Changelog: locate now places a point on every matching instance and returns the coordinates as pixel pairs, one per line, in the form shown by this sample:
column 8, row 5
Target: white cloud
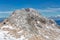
column 49, row 10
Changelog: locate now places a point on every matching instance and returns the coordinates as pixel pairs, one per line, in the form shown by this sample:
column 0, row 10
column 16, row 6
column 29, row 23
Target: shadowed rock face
column 27, row 9
column 28, row 24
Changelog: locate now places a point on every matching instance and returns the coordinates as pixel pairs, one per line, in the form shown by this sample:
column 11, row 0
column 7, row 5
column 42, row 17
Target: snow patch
column 7, row 26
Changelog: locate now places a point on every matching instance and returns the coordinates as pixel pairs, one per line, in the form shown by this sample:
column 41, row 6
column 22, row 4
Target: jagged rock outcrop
column 28, row 24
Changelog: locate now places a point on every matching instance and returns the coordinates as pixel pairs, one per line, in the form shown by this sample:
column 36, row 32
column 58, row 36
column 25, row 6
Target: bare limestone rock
column 29, row 24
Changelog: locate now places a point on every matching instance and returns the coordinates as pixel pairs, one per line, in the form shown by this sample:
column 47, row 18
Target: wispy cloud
column 6, row 12
column 49, row 10
column 44, row 12
column 40, row 10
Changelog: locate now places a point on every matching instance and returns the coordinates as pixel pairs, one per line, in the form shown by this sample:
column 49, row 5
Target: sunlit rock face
column 28, row 24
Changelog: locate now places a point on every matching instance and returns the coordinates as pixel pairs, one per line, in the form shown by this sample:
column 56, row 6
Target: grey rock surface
column 29, row 24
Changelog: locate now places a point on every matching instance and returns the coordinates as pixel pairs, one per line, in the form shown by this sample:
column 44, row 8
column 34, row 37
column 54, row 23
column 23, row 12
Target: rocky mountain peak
column 29, row 24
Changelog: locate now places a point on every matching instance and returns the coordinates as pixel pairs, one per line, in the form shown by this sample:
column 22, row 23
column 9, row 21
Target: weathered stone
column 28, row 24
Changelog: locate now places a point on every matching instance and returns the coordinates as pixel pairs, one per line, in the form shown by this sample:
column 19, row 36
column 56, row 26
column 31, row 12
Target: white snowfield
column 28, row 24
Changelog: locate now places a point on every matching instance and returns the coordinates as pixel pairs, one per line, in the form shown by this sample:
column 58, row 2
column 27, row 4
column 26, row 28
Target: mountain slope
column 28, row 24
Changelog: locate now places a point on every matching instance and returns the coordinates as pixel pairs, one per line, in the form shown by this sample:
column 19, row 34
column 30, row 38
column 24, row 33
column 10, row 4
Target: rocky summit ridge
column 28, row 24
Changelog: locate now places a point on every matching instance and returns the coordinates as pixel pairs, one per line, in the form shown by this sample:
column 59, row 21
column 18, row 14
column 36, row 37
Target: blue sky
column 45, row 7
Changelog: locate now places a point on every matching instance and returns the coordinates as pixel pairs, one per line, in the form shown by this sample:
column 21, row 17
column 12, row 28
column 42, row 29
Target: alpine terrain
column 28, row 24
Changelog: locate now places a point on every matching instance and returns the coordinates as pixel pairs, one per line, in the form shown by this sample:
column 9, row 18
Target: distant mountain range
column 56, row 18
